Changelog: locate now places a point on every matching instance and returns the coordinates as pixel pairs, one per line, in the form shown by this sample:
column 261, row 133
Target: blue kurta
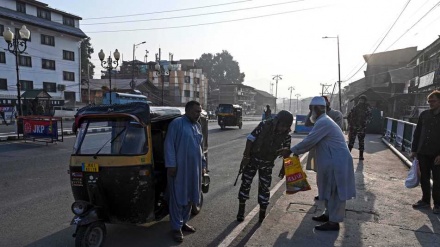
column 333, row 159
column 183, row 150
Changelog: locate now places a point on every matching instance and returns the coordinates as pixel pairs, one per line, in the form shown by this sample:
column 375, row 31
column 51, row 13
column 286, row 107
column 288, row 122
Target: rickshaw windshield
column 120, row 137
column 225, row 109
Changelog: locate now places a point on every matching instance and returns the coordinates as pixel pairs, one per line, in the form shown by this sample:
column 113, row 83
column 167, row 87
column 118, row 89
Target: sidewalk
column 381, row 214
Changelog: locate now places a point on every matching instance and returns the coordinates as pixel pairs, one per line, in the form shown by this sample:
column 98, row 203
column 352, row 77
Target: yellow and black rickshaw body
column 118, row 174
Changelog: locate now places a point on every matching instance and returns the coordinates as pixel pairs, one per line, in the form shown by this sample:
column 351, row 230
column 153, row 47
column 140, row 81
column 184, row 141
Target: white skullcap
column 318, row 100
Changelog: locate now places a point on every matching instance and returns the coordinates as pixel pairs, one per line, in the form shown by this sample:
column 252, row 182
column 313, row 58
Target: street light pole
column 276, row 78
column 290, row 103
column 339, row 70
column 109, row 67
column 297, row 95
column 17, row 46
column 132, row 62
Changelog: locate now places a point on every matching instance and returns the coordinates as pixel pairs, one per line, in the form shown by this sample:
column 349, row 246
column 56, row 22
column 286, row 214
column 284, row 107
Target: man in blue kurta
column 185, row 163
column 335, row 177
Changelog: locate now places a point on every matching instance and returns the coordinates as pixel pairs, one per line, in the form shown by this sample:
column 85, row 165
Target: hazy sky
column 266, row 37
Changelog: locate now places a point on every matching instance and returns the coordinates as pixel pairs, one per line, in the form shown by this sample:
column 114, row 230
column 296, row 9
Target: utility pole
column 290, row 103
column 297, row 95
column 324, row 89
column 146, row 56
column 271, row 87
column 88, row 81
column 276, row 78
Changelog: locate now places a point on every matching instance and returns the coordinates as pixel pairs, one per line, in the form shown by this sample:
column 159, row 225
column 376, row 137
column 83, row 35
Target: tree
column 220, row 68
column 86, row 54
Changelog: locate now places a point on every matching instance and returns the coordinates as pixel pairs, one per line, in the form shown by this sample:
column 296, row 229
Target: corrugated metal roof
column 36, row 21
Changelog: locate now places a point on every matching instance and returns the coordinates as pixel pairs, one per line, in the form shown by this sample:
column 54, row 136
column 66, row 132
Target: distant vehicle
column 211, row 115
column 229, row 115
column 124, row 98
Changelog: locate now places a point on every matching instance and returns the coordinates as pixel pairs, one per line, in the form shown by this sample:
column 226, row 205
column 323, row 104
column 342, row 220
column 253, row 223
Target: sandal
column 188, row 228
column 178, row 236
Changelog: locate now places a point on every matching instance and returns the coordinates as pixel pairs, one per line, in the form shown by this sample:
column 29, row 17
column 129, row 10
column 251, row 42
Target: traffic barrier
column 41, row 128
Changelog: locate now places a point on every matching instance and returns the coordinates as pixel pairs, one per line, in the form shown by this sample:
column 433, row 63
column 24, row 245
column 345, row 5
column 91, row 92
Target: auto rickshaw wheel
column 240, row 125
column 92, row 235
column 197, row 207
column 222, row 126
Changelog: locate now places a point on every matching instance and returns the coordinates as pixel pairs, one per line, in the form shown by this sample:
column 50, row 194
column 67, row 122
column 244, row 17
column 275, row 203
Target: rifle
column 243, row 164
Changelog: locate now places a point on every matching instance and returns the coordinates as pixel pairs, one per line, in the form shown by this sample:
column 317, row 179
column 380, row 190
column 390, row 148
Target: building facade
column 52, row 57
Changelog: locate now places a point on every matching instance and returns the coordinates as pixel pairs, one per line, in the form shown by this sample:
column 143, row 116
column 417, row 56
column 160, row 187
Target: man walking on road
column 185, row 163
column 358, row 118
column 335, row 165
column 426, row 147
column 259, row 155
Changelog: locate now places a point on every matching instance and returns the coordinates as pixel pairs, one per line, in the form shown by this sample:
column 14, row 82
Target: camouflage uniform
column 358, row 118
column 263, row 155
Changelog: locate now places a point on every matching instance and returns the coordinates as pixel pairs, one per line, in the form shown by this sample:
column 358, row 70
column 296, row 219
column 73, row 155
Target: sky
column 266, row 38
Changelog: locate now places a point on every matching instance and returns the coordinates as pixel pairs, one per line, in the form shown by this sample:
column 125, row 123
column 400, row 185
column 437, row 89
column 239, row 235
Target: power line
column 429, row 11
column 167, row 11
column 205, row 24
column 194, row 15
column 386, row 34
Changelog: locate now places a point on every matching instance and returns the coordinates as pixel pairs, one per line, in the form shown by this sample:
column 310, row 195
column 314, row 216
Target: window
column 68, row 76
column 26, row 85
column 21, row 7
column 42, row 13
column 197, row 80
column 48, row 64
column 166, row 78
column 2, row 57
column 17, row 34
column 25, row 61
column 186, row 93
column 68, row 21
column 3, row 84
column 2, row 29
column 187, row 79
column 50, row 87
column 197, row 94
column 68, row 55
column 47, row 40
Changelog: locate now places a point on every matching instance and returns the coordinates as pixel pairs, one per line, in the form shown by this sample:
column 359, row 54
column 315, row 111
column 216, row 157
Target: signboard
column 7, row 113
column 40, row 128
column 426, row 80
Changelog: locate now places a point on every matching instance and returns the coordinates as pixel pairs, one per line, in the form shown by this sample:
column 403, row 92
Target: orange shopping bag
column 296, row 179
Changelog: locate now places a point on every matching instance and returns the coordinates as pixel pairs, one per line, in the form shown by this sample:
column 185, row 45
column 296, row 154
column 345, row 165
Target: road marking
column 239, row 228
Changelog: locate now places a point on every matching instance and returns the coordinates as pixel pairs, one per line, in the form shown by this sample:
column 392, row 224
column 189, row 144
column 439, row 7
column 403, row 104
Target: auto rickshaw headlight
column 79, row 208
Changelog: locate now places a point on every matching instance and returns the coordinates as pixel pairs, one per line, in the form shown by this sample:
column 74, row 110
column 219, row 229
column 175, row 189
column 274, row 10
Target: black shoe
column 421, row 204
column 241, row 208
column 178, row 236
column 327, row 226
column 262, row 215
column 361, row 155
column 321, row 218
column 188, row 228
column 316, row 198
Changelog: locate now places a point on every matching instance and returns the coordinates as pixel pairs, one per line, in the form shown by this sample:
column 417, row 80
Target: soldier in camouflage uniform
column 358, row 118
column 259, row 155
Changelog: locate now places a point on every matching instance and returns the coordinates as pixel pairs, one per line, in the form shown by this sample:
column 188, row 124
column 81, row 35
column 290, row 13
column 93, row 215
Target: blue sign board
column 300, row 125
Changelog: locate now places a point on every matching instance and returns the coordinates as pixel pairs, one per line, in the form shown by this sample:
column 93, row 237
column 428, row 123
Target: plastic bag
column 296, row 179
column 413, row 178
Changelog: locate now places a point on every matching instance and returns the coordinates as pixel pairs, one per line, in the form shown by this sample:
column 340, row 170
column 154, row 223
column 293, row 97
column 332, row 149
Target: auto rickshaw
column 119, row 176
column 229, row 115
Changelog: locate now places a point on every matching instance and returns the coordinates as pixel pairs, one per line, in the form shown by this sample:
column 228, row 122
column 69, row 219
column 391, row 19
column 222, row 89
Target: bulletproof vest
column 267, row 142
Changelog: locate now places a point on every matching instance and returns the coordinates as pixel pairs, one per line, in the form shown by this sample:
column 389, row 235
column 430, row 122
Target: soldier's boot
column 262, row 214
column 350, row 148
column 241, row 208
column 361, row 155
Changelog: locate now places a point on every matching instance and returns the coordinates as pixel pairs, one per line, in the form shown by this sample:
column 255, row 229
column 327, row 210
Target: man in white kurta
column 335, row 166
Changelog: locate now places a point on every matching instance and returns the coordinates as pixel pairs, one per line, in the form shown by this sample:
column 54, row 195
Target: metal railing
column 399, row 133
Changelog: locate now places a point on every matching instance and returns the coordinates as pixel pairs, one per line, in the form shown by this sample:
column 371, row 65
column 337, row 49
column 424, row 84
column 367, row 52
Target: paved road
column 36, row 196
